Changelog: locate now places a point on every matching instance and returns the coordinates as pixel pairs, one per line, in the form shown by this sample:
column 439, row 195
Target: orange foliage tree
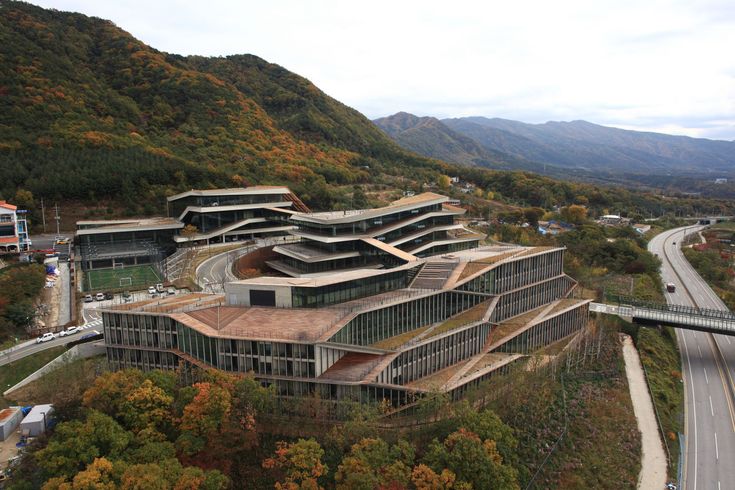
column 300, row 464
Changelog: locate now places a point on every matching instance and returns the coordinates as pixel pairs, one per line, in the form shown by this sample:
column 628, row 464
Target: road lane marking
column 725, row 383
column 699, row 349
column 685, row 465
column 694, row 409
column 706, row 378
column 711, row 408
column 717, row 449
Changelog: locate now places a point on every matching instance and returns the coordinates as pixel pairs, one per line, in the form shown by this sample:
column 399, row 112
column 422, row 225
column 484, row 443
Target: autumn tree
column 424, row 478
column 189, row 231
column 203, row 417
column 533, row 215
column 372, row 463
column 575, row 214
column 24, row 199
column 111, row 390
column 300, row 463
column 97, row 476
column 147, row 407
column 472, row 460
column 488, row 426
column 76, row 444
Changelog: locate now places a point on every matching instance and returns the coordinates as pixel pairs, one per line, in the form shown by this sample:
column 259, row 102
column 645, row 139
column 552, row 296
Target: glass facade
column 529, row 270
column 179, row 205
column 314, row 297
column 387, row 321
column 430, row 357
column 546, row 332
column 522, row 300
column 158, row 341
column 361, row 227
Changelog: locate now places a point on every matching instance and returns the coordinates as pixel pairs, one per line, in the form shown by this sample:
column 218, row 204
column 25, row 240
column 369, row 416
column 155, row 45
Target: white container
column 37, row 420
column 9, row 420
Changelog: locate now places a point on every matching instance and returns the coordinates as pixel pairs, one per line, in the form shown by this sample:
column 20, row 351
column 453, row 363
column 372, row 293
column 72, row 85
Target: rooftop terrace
column 98, row 226
column 261, row 323
column 329, row 217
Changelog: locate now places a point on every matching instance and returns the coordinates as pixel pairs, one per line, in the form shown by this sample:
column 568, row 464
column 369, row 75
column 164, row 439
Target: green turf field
column 140, row 276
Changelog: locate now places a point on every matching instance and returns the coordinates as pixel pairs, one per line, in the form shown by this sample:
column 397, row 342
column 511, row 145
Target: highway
column 708, row 367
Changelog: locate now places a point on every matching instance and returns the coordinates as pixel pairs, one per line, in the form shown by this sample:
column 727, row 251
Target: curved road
column 213, row 273
column 709, row 413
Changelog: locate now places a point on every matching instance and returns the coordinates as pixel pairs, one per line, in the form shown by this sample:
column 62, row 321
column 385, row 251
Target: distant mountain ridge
column 575, row 145
column 429, row 136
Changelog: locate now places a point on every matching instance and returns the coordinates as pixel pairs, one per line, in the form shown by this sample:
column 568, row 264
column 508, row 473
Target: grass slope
column 12, row 373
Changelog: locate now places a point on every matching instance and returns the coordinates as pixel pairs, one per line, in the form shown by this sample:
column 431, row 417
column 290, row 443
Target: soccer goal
column 126, row 281
column 118, row 265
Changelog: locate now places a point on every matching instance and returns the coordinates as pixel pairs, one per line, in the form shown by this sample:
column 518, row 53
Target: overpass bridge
column 686, row 317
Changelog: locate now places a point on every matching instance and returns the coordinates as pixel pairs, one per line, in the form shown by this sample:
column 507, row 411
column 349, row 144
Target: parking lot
column 90, row 309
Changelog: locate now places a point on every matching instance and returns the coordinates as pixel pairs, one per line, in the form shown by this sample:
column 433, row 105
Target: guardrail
column 649, row 305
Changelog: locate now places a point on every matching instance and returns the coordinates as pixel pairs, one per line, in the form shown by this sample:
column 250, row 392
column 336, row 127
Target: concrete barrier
column 17, row 346
column 80, row 351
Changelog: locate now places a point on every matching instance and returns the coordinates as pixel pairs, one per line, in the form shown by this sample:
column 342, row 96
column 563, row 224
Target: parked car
column 152, row 290
column 160, row 288
column 127, row 295
column 171, row 291
column 88, row 298
column 45, row 338
column 100, row 297
column 70, row 331
column 109, row 296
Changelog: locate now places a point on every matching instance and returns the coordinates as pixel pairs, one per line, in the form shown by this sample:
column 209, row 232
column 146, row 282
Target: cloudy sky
column 653, row 65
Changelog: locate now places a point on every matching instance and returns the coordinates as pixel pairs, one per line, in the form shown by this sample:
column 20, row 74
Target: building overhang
column 237, row 191
column 129, row 227
column 338, row 217
column 231, row 207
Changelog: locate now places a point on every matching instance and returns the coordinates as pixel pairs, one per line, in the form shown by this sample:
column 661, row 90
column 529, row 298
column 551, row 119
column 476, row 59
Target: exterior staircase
column 433, row 275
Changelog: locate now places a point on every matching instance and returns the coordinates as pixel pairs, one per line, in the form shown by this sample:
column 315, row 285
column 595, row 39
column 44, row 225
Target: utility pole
column 58, row 219
column 43, row 216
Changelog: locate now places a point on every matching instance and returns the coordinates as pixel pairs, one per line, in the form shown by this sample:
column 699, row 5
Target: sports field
column 128, row 277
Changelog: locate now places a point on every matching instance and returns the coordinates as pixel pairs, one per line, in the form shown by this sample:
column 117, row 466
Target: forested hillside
column 88, row 114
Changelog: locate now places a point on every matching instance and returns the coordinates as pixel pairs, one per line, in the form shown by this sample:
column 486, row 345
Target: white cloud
column 619, row 63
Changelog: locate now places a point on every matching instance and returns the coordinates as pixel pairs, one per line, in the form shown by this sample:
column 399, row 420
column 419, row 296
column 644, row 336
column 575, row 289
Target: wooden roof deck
column 353, row 366
column 259, row 322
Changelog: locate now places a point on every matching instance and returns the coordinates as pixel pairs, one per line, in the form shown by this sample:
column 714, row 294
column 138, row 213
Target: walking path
column 653, row 460
column 65, row 300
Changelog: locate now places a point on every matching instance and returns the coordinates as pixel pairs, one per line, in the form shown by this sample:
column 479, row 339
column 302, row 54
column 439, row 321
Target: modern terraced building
column 437, row 323
column 243, row 212
column 406, row 230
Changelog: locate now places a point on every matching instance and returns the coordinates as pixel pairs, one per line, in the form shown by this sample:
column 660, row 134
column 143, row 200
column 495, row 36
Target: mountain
column 87, row 111
column 591, row 147
column 91, row 116
column 430, row 137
